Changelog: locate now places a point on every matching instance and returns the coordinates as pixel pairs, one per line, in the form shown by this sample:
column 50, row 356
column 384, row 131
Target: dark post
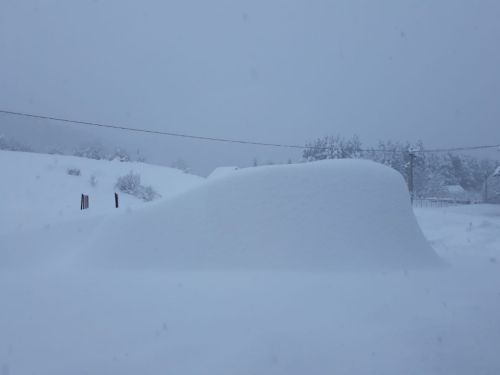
column 486, row 188
column 116, row 200
column 410, row 177
column 84, row 203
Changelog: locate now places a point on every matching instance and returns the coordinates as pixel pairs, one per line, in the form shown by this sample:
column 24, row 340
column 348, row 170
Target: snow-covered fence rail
column 427, row 203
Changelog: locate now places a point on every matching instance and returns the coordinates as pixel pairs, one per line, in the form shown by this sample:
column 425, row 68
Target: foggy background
column 277, row 72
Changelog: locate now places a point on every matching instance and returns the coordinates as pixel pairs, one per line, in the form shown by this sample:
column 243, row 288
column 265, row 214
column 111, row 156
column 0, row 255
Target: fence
column 429, row 203
column 84, row 201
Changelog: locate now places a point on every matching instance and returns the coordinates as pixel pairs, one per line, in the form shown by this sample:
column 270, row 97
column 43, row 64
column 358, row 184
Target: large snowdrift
column 329, row 215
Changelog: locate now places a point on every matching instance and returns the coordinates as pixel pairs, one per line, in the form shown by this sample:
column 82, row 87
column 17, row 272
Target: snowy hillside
column 146, row 290
column 36, row 189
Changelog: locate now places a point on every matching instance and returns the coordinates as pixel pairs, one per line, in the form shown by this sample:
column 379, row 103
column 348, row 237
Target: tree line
column 433, row 172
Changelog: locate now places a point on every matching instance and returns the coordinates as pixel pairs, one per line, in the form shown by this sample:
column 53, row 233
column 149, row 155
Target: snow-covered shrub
column 119, row 154
column 73, row 171
column 129, row 184
column 147, row 193
column 93, row 180
column 91, row 150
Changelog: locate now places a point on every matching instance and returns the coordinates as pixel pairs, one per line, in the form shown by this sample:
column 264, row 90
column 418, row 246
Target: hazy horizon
column 280, row 72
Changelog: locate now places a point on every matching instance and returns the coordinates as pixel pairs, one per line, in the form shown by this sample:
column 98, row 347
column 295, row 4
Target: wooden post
column 116, row 200
column 84, row 203
column 410, row 177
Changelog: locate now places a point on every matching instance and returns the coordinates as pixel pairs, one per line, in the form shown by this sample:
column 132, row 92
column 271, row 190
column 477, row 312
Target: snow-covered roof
column 222, row 172
column 455, row 189
column 497, row 172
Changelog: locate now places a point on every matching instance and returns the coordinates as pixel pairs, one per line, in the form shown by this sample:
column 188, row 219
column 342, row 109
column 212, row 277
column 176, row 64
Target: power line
column 152, row 131
column 165, row 133
column 226, row 140
column 461, row 148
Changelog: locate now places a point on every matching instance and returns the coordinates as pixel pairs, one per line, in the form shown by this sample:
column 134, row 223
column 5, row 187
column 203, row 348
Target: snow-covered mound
column 222, row 172
column 37, row 191
column 328, row 215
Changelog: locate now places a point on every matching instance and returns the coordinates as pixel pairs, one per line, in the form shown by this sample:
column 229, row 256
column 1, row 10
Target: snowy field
column 65, row 308
column 37, row 190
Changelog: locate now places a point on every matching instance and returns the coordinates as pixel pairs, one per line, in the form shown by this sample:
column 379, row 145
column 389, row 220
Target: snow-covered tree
column 91, row 150
column 11, row 145
column 393, row 154
column 332, row 147
column 491, row 190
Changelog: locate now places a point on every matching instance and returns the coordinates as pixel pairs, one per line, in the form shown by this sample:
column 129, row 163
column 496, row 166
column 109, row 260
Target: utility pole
column 410, row 177
column 486, row 188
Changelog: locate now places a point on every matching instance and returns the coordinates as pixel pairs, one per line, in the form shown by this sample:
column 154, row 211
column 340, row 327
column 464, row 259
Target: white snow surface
column 497, row 172
column 303, row 217
column 455, row 189
column 67, row 308
column 222, row 172
column 37, row 191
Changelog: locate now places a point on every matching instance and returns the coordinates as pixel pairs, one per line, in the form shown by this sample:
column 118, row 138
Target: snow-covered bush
column 91, row 150
column 73, row 171
column 93, row 181
column 131, row 184
column 119, row 154
column 147, row 193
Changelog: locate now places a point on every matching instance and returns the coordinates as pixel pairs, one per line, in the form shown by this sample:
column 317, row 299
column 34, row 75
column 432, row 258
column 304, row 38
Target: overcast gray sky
column 280, row 71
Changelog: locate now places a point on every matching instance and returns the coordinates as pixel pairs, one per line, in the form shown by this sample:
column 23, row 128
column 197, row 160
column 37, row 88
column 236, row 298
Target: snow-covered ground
column 37, row 191
column 63, row 318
